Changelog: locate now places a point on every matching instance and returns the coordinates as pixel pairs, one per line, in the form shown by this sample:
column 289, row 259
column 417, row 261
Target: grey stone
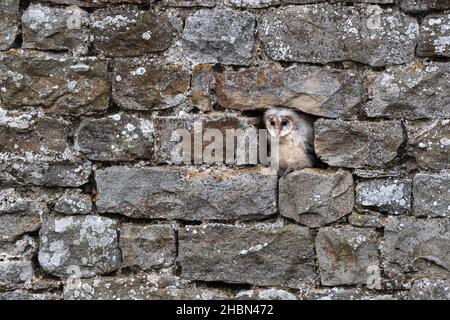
column 15, row 274
column 434, row 40
column 118, row 137
column 265, row 294
column 424, row 5
column 74, row 202
column 147, row 246
column 24, row 295
column 9, row 23
column 98, row 3
column 251, row 3
column 349, row 294
column 315, row 197
column 60, row 84
column 262, row 255
column 324, row 33
column 79, row 246
column 202, row 83
column 189, row 3
column 431, row 194
column 20, row 172
column 347, row 255
column 430, row 143
column 413, row 91
column 24, row 248
column 169, row 149
column 430, row 289
column 186, row 193
column 49, row 28
column 418, row 247
column 219, row 36
column 128, row 32
column 366, row 220
column 385, row 195
column 147, row 84
column 148, row 286
column 357, row 144
column 323, row 92
column 18, row 214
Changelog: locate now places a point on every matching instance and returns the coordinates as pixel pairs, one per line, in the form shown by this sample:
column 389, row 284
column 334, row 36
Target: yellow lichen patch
column 418, row 64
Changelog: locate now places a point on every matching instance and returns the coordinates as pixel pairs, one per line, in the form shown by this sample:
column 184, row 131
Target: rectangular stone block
column 9, row 23
column 186, row 193
column 431, row 194
column 357, row 144
column 262, row 254
column 59, row 84
column 424, row 5
column 323, row 92
column 434, row 40
column 324, row 33
column 147, row 246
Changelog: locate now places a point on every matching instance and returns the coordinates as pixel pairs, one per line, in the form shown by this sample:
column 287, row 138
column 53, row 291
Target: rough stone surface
column 97, row 3
column 430, row 143
column 430, row 289
column 58, row 84
column 418, row 247
column 346, row 255
column 366, row 220
column 9, row 23
column 323, row 33
column 385, row 195
column 219, row 36
column 24, row 248
column 187, row 194
column 24, row 295
column 146, row 84
column 48, row 28
column 265, row 294
column 118, row 137
column 20, row 172
column 434, row 37
column 203, row 80
column 79, row 246
column 431, row 194
column 189, row 3
column 414, row 91
column 262, row 254
column 15, row 274
column 424, row 5
column 147, row 246
column 315, row 197
column 74, row 202
column 349, row 294
column 138, row 287
column 125, row 32
column 357, row 144
column 324, row 92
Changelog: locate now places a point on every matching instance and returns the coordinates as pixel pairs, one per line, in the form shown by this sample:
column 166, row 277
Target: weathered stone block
column 366, row 220
column 251, row 3
column 187, row 194
column 24, row 295
column 320, row 91
column 219, row 36
column 418, row 247
column 262, row 255
column 202, row 83
column 357, row 144
column 316, row 197
column 24, row 248
column 385, row 195
column 18, row 214
column 169, row 146
column 189, row 3
column 125, row 32
column 15, row 274
column 431, row 194
column 20, row 172
column 265, row 294
column 58, row 84
column 424, row 5
column 118, row 137
column 430, row 289
column 147, row 246
column 347, row 255
column 430, row 143
column 146, row 84
column 98, row 3
column 81, row 246
column 74, row 202
column 138, row 287
column 324, row 33
column 434, row 40
column 350, row 294
column 49, row 28
column 9, row 23
column 414, row 91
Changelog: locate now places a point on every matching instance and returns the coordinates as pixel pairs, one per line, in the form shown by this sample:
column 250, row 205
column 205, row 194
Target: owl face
column 279, row 125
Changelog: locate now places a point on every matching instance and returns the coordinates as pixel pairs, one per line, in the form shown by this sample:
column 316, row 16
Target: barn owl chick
column 295, row 136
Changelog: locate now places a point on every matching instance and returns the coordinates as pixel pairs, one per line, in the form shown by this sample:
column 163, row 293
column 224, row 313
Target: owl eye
column 272, row 122
column 284, row 123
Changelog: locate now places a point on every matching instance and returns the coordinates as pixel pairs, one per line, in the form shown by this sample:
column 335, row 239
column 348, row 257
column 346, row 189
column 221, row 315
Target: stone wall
column 91, row 206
